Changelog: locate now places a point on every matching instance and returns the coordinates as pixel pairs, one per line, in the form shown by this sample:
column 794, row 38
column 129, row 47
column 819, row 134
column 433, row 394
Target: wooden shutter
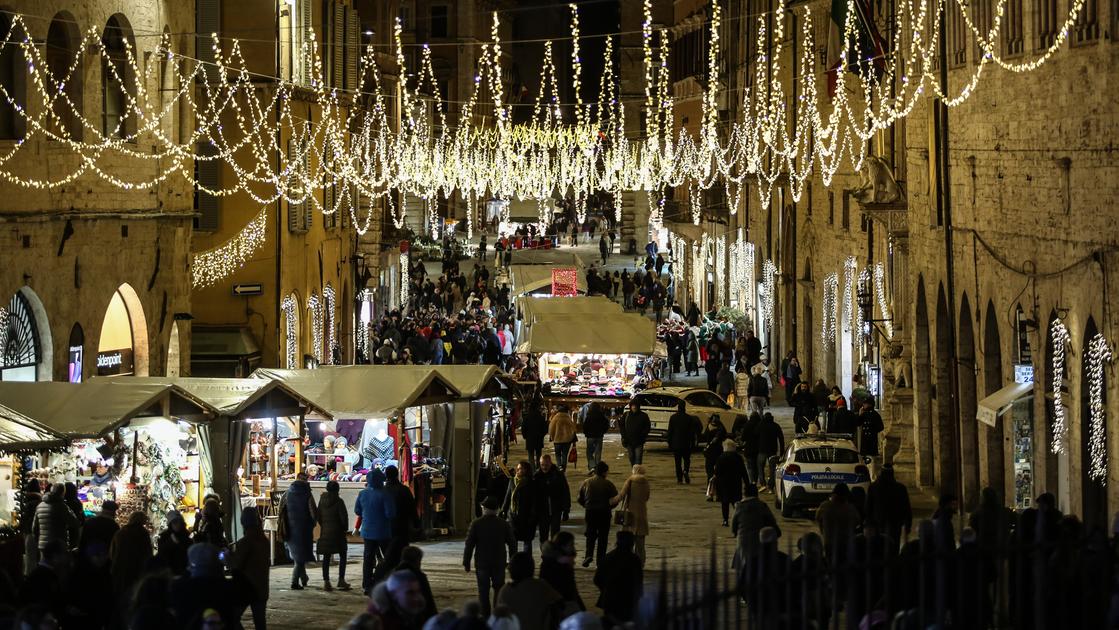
column 306, row 28
column 295, row 210
column 339, row 48
column 308, row 205
column 348, row 206
column 207, row 173
column 353, row 49
column 329, row 219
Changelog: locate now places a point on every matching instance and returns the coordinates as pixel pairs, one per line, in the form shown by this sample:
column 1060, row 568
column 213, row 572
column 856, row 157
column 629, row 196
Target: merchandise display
column 589, row 374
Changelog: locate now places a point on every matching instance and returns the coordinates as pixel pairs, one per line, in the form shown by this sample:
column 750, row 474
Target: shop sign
column 1023, row 373
column 113, row 362
column 254, row 288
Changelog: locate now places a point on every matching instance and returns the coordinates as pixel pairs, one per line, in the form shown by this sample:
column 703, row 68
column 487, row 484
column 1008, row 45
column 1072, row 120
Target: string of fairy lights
column 1059, row 336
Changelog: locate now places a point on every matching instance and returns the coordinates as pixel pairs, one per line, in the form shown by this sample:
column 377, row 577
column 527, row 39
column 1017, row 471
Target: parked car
column 811, row 466
column 661, row 402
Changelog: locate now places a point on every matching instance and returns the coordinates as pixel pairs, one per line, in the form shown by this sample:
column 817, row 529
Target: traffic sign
column 248, row 289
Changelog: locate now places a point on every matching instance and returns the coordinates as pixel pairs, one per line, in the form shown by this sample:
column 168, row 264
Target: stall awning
column 998, row 403
column 364, row 391
column 535, row 308
column 471, row 381
column 236, row 397
column 529, row 278
column 18, row 432
column 546, row 258
column 99, row 406
column 618, row 333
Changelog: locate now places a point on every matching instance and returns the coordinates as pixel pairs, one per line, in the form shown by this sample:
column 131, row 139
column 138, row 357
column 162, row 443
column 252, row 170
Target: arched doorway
column 25, row 339
column 1093, row 462
column 992, row 437
column 122, row 347
column 969, row 429
column 922, row 394
column 944, row 438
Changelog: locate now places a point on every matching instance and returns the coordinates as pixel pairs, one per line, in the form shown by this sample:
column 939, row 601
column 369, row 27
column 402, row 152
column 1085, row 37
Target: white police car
column 811, row 467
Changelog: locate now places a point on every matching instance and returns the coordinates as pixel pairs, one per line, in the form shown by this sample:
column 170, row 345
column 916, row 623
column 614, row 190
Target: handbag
column 573, row 454
column 711, row 488
column 622, row 516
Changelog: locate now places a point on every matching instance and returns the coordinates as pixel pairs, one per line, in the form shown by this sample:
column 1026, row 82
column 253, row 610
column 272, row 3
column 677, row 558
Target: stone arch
column 118, row 80
column 991, row 438
column 64, row 40
column 1094, row 506
column 137, row 328
column 922, row 394
column 944, row 442
column 28, row 332
column 969, row 431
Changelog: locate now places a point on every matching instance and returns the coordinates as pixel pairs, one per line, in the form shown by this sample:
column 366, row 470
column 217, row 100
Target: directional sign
column 248, row 289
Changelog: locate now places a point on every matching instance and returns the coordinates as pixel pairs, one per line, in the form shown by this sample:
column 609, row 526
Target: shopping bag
column 573, row 455
column 711, row 488
column 623, row 518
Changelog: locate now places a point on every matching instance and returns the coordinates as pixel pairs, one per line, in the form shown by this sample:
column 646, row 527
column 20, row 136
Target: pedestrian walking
column 595, row 496
column 753, row 349
column 404, row 507
column 210, row 528
column 730, row 478
column 520, row 505
column 534, row 603
column 870, row 426
column 635, row 427
column 741, row 386
column 411, row 559
column 54, row 521
column 633, row 500
column 888, row 507
column 725, row 379
column 172, row 545
column 489, row 545
column 751, row 515
column 376, row 511
column 791, row 373
column 747, row 437
column 620, row 580
column 553, row 498
column 837, row 413
column 758, row 390
column 603, row 248
column 595, row 425
column 299, row 514
column 557, row 569
column 804, row 408
column 691, row 350
column 398, row 603
column 838, row 519
column 771, row 441
column 561, row 430
column 250, row 563
column 683, row 434
column 714, row 434
column 334, row 524
column 101, row 528
column 32, row 497
column 534, row 428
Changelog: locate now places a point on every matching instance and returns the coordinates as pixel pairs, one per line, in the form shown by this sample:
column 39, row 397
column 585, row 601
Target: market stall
column 373, row 417
column 144, row 445
column 580, row 357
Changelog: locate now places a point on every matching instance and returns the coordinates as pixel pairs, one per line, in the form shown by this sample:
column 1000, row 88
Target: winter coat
column 887, row 504
column 620, row 579
column 405, row 510
column 560, row 576
column 726, row 382
column 634, row 497
column 871, row 424
column 55, row 521
column 520, row 508
column 99, row 529
column 375, row 507
column 561, row 428
column 334, row 523
column 741, row 385
column 192, row 596
column 30, row 503
column 211, row 530
column 489, row 543
column 171, row 551
column 771, row 439
column 750, row 516
column 683, row 431
column 730, row 477
column 129, row 553
column 553, row 496
column 758, row 386
column 534, row 427
column 250, row 561
column 635, row 428
column 298, row 508
column 837, row 520
column 714, row 437
column 595, row 424
column 596, row 493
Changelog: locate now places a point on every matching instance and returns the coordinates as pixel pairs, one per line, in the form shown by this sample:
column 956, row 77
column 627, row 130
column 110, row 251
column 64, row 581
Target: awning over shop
column 236, row 397
column 546, row 258
column 528, row 278
column 18, row 432
column 535, row 308
column 364, row 391
column 618, row 333
column 998, row 403
column 99, row 406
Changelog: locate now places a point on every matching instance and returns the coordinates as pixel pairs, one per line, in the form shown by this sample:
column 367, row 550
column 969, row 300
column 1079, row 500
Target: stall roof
column 546, row 258
column 363, row 391
column 100, row 406
column 534, row 309
column 998, row 403
column 18, row 432
column 616, row 333
column 528, row 278
column 238, row 396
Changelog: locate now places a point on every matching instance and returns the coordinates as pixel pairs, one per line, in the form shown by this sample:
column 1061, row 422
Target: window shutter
column 347, row 206
column 353, row 49
column 207, row 174
column 295, row 210
column 339, row 50
column 329, row 219
column 308, row 205
column 307, row 30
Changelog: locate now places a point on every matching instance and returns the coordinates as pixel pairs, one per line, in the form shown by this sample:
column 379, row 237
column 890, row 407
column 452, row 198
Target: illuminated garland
column 721, row 270
column 290, row 307
column 769, row 278
column 3, row 336
column 850, row 266
column 330, row 304
column 861, row 326
column 213, row 265
column 1099, row 353
column 314, row 304
column 1061, row 340
column 830, row 305
column 405, row 283
column 880, row 293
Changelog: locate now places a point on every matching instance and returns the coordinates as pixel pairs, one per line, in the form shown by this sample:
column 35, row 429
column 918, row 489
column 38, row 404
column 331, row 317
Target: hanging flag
column 866, row 49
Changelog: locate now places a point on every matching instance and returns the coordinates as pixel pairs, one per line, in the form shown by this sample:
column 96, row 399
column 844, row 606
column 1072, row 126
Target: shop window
column 20, row 341
column 115, row 346
column 118, row 84
column 66, row 69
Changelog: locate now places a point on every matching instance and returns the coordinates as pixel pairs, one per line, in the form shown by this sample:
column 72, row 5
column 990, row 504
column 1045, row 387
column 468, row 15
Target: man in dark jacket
column 402, row 522
column 377, row 510
column 620, row 578
column 753, row 349
column 771, row 441
column 746, row 435
column 635, row 429
column 54, row 521
column 595, row 425
column 870, row 425
column 204, row 588
column 553, row 498
column 489, row 544
column 683, row 432
column 887, row 507
column 100, row 528
column 750, row 516
column 595, row 496
column 534, row 428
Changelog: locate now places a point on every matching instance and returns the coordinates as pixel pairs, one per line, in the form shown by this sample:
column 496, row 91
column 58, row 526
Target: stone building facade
column 95, row 277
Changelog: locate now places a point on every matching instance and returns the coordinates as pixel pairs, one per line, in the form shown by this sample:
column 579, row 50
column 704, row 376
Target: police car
column 811, row 467
column 661, row 402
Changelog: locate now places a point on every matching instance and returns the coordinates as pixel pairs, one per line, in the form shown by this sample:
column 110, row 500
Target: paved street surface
column 683, row 525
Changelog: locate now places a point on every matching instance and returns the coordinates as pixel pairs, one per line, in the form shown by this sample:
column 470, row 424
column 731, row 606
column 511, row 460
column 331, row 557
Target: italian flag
column 865, row 49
